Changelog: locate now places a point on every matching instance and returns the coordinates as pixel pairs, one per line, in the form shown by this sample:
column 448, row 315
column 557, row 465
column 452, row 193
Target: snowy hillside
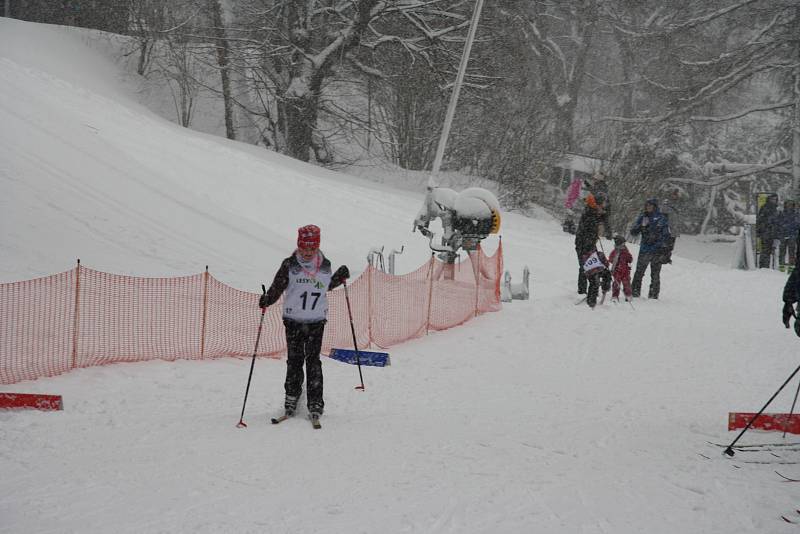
column 543, row 417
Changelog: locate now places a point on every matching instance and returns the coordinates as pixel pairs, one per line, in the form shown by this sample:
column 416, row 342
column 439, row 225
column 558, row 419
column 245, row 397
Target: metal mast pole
column 462, row 68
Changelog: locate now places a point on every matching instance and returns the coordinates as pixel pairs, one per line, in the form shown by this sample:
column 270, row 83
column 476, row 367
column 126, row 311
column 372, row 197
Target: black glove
column 342, row 272
column 262, row 301
column 788, row 312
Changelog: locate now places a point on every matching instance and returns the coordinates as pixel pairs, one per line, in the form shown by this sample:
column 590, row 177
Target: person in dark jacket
column 791, row 295
column 653, row 248
column 766, row 230
column 303, row 279
column 787, row 225
column 590, row 227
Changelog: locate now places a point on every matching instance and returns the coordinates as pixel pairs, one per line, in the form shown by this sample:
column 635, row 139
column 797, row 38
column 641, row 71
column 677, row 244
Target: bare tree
column 292, row 50
column 691, row 67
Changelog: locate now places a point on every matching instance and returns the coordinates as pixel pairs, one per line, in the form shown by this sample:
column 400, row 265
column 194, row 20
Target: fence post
column 498, row 269
column 430, row 293
column 478, row 278
column 76, row 311
column 369, row 306
column 205, row 311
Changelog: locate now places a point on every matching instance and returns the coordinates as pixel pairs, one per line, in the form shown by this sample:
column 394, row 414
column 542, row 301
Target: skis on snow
column 314, row 420
column 785, row 478
column 281, row 419
column 762, row 453
column 793, row 519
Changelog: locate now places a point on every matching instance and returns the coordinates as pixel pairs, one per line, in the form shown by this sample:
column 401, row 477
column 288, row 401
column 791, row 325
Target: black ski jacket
column 587, row 233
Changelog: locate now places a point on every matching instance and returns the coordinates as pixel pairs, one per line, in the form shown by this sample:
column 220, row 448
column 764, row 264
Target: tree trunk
column 144, row 54
column 301, row 117
column 223, row 60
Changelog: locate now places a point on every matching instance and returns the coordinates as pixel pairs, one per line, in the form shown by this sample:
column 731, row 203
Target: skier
column 304, row 277
column 590, row 261
column 669, row 207
column 620, row 259
column 653, row 251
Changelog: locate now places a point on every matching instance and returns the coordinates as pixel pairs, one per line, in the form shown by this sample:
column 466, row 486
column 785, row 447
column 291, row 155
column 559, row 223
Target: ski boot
column 290, row 405
column 314, row 416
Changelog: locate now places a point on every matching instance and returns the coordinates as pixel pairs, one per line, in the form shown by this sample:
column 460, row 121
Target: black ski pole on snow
column 791, row 412
column 355, row 343
column 794, row 402
column 241, row 424
column 729, row 450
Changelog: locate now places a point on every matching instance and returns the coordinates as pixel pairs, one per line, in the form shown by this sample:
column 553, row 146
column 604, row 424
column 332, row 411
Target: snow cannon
column 467, row 218
column 477, row 214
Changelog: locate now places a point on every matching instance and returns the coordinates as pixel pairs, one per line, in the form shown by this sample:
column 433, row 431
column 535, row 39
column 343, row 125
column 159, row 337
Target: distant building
column 570, row 166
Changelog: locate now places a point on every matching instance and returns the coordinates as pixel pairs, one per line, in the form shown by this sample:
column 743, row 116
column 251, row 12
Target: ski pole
column 241, row 423
column 794, row 402
column 355, row 343
column 791, row 411
column 729, row 450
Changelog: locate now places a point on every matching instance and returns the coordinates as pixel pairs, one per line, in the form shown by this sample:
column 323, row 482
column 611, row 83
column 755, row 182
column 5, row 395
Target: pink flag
column 573, row 192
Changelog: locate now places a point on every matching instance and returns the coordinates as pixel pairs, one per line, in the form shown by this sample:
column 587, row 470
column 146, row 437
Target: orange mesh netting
column 83, row 317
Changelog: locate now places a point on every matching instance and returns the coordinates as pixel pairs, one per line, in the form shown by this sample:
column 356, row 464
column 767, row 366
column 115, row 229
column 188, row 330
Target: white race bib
column 305, row 299
column 593, row 263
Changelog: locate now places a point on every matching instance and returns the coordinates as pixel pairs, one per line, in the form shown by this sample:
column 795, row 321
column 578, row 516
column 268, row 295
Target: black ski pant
column 765, row 253
column 303, row 344
column 654, row 260
column 597, row 281
column 787, row 245
column 591, row 284
column 582, row 281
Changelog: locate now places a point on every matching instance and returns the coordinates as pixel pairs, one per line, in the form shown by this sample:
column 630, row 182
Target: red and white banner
column 777, row 422
column 35, row 401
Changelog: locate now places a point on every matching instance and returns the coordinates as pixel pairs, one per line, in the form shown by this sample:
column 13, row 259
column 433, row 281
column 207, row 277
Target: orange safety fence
column 82, row 317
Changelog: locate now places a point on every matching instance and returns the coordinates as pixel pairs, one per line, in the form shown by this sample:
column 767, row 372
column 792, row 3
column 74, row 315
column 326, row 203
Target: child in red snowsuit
column 620, row 259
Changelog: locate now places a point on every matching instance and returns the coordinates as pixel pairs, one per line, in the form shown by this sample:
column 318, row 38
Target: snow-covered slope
column 544, row 417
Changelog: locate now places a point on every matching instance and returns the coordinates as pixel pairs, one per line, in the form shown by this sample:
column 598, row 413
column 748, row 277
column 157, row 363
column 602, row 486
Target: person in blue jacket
column 787, row 223
column 653, row 248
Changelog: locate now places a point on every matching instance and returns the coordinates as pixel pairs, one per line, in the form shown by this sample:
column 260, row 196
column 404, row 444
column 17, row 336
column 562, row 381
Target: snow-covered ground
column 543, row 417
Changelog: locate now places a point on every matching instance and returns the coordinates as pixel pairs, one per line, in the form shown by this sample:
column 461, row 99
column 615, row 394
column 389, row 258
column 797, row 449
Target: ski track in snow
column 544, row 417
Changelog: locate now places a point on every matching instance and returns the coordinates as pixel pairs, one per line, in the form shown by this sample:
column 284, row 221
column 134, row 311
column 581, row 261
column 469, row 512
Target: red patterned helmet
column 308, row 236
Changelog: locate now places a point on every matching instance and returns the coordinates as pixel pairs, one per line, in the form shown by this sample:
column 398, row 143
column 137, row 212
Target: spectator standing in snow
column 653, row 251
column 621, row 260
column 598, row 186
column 787, row 224
column 766, row 230
column 590, row 228
column 304, row 278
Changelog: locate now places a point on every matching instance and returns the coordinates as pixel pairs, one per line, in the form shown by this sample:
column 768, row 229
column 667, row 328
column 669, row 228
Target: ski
column 315, row 422
column 759, row 446
column 787, row 479
column 284, row 417
column 581, row 301
column 794, row 521
column 767, row 462
column 756, row 445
